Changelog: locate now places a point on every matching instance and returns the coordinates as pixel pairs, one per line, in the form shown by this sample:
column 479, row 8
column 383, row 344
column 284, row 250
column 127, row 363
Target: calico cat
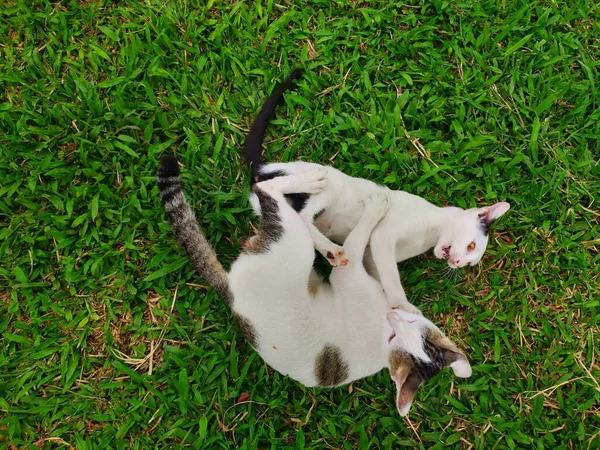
column 411, row 227
column 317, row 333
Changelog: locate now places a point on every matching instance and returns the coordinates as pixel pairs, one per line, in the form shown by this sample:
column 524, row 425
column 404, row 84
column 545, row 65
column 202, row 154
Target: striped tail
column 188, row 234
column 256, row 134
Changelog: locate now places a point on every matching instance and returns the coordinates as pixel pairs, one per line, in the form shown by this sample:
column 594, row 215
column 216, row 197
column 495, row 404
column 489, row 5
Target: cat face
column 417, row 351
column 464, row 238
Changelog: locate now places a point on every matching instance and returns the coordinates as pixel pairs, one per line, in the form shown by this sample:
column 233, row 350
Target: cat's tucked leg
column 376, row 206
column 383, row 251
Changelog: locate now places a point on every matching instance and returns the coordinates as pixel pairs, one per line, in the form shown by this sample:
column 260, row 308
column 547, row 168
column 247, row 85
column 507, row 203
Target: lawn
column 110, row 340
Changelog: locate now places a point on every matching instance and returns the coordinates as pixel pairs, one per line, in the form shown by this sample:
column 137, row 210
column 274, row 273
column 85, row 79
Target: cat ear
column 458, row 362
column 406, row 388
column 491, row 213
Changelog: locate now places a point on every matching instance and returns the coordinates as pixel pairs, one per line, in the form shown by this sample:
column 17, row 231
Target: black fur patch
column 169, row 167
column 426, row 370
column 269, row 176
column 247, row 329
column 271, row 228
column 296, row 200
column 330, row 368
column 270, row 225
column 419, row 370
column 485, row 227
column 318, row 214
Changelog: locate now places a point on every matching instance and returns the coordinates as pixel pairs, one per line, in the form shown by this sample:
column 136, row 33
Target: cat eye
column 471, row 246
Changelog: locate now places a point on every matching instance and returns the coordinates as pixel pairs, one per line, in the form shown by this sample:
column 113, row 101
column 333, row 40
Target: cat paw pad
column 337, row 258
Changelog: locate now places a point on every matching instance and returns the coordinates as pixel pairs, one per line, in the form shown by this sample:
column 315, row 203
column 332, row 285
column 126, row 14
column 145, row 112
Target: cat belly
column 288, row 359
column 339, row 217
column 344, row 205
column 286, row 337
column 337, row 225
column 313, row 342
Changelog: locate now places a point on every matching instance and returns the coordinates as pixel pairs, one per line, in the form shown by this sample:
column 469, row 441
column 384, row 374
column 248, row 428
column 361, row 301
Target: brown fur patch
column 313, row 287
column 440, row 340
column 400, row 361
column 330, row 367
column 253, row 244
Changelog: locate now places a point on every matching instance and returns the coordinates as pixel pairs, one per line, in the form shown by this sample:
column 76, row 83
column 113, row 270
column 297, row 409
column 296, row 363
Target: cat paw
column 337, row 257
column 314, row 182
column 376, row 205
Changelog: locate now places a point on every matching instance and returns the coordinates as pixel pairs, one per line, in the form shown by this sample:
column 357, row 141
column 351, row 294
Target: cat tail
column 255, row 136
column 188, row 234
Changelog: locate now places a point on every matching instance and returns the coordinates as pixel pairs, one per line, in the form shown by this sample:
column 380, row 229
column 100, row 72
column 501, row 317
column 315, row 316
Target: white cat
column 317, row 333
column 411, row 227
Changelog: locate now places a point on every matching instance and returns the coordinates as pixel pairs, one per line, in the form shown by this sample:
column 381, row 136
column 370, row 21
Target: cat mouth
column 446, row 251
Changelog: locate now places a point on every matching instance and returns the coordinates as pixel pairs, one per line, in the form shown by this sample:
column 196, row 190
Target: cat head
column 463, row 238
column 417, row 351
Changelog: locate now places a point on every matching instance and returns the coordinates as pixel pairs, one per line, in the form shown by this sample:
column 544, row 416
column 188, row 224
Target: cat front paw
column 314, row 182
column 337, row 257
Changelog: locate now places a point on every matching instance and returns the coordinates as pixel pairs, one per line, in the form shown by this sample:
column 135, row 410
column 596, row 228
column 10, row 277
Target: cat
column 320, row 334
column 412, row 225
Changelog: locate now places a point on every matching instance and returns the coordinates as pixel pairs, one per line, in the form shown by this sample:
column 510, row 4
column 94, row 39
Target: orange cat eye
column 471, row 246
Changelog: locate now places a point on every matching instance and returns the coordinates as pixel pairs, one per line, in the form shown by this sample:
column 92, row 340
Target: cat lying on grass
column 317, row 333
column 411, row 226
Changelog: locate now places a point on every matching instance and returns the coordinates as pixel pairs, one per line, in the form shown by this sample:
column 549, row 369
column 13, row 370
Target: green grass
column 503, row 96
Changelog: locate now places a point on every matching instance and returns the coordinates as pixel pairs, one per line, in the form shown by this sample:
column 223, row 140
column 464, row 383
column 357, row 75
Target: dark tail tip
column 255, row 136
column 296, row 73
column 288, row 83
column 169, row 167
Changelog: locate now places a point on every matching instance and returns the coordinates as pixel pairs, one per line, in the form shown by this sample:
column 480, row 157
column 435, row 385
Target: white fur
column 270, row 290
column 411, row 226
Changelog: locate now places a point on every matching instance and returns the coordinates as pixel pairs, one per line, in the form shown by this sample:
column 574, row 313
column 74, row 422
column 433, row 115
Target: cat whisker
column 447, row 275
